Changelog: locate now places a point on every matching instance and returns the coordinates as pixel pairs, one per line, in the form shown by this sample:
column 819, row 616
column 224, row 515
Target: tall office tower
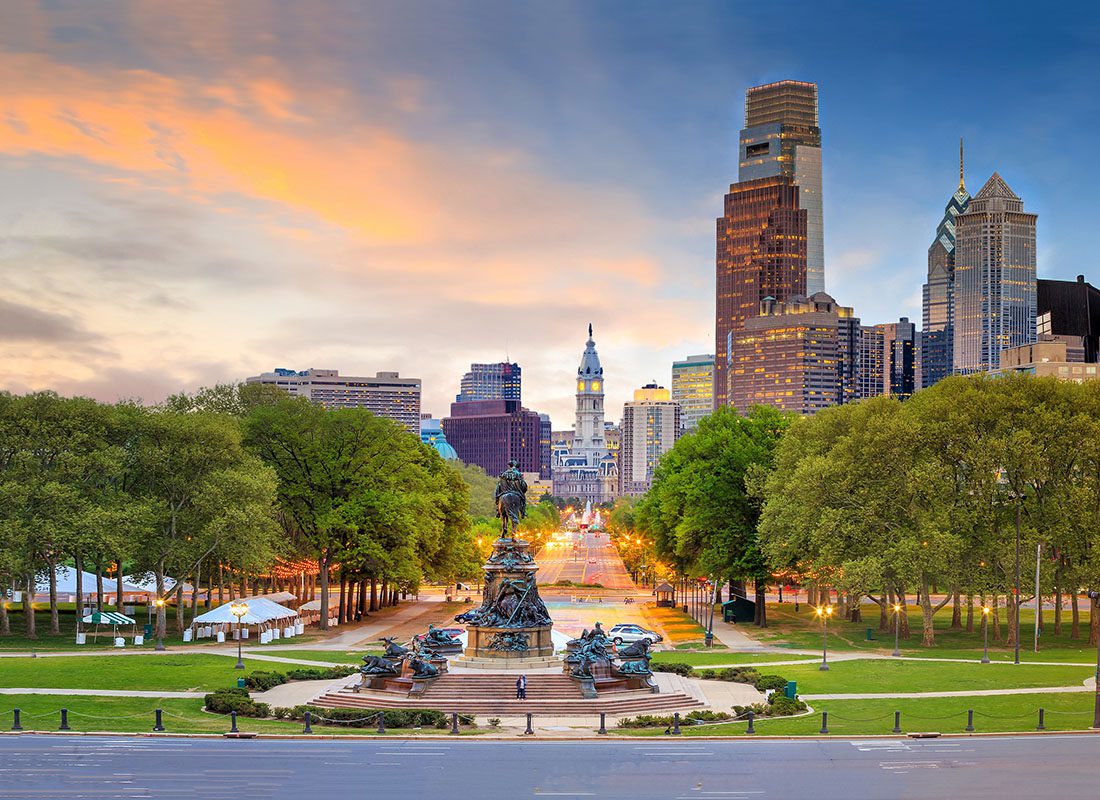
column 387, row 394
column 887, row 360
column 799, row 356
column 1070, row 310
column 651, row 425
column 761, row 253
column 781, row 137
column 994, row 299
column 501, row 381
column 546, row 438
column 490, row 433
column 693, row 388
column 587, row 470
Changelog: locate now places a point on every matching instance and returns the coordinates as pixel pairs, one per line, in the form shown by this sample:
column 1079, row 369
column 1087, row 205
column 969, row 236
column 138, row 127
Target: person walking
column 521, row 687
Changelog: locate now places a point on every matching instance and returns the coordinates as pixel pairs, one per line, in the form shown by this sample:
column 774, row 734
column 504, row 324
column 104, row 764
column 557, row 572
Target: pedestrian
column 521, row 687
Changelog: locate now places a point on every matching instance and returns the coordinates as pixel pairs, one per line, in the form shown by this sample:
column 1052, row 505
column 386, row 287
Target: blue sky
column 200, row 192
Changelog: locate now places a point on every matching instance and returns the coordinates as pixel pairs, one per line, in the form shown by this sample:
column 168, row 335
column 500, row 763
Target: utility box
column 792, row 690
column 241, row 684
column 739, row 609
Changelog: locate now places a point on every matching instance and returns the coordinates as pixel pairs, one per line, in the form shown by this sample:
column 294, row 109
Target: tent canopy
column 278, row 597
column 147, row 582
column 260, row 609
column 66, row 583
column 107, row 618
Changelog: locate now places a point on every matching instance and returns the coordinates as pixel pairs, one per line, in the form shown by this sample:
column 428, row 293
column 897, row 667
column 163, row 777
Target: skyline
column 199, row 197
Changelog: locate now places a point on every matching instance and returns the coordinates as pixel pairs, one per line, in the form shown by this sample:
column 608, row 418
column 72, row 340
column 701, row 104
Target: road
column 594, row 560
column 48, row 768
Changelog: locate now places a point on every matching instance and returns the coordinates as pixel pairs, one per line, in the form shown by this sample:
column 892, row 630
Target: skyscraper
column 994, row 296
column 587, row 469
column 781, row 137
column 500, row 381
column 693, row 388
column 490, row 433
column 1070, row 310
column 761, row 253
column 937, row 336
column 887, row 360
column 651, row 425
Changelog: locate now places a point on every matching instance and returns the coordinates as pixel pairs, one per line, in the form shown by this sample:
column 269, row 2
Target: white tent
column 224, row 614
column 148, row 582
column 274, row 621
column 66, row 584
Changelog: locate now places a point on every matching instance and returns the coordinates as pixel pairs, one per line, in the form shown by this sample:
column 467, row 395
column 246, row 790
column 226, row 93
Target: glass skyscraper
column 500, row 381
column 937, row 336
column 781, row 137
column 693, row 388
column 994, row 297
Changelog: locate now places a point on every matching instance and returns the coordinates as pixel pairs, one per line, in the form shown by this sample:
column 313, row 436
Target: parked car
column 625, row 633
column 455, row 632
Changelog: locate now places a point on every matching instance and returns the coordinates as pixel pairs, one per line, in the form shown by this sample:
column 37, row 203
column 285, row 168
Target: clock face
column 580, row 386
column 595, row 386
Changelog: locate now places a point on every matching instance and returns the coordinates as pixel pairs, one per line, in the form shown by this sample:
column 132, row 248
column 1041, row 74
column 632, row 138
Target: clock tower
column 588, row 436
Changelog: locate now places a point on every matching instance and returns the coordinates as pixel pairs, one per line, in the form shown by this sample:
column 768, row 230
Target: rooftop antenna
column 962, row 186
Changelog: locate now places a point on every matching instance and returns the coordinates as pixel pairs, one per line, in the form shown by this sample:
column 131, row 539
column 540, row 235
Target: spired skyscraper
column 587, row 470
column 937, row 337
column 994, row 296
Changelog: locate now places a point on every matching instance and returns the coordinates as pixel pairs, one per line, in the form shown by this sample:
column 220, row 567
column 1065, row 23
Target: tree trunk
column 1011, row 609
column 969, row 612
column 5, row 621
column 995, row 613
column 209, row 597
column 78, row 562
column 883, row 617
column 341, row 607
column 384, row 592
column 195, row 584
column 362, row 609
column 373, row 595
column 1094, row 620
column 118, row 587
column 55, row 622
column 28, row 607
column 1075, row 617
column 99, row 586
column 899, row 596
column 322, row 573
column 179, row 604
column 221, row 585
column 1058, row 601
column 956, row 610
column 162, row 619
column 761, row 604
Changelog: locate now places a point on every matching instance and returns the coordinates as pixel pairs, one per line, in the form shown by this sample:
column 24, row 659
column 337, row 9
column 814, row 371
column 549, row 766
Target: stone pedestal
column 512, row 623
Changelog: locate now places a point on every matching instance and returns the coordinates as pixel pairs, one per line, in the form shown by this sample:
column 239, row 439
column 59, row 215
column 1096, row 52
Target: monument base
column 485, row 643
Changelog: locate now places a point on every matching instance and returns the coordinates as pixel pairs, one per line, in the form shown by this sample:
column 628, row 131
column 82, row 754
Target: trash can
column 240, row 683
column 870, row 635
column 792, row 690
column 148, row 630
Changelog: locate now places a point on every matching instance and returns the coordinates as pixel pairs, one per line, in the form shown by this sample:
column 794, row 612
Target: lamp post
column 160, row 628
column 985, row 634
column 1096, row 708
column 239, row 610
column 1017, row 598
column 824, row 612
column 897, row 628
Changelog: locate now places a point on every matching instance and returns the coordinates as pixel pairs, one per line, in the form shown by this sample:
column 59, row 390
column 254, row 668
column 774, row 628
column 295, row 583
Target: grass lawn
column 328, row 656
column 883, row 675
column 802, row 630
column 943, row 714
column 677, row 626
column 174, row 672
column 127, row 714
column 710, row 659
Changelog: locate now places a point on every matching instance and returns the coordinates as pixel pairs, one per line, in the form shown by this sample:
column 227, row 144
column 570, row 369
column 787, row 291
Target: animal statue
column 374, row 665
column 393, row 649
column 421, row 668
column 639, row 649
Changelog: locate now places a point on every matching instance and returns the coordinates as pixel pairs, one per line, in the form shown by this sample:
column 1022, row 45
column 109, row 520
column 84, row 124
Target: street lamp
column 1093, row 596
column 897, row 628
column 239, row 610
column 824, row 612
column 985, row 634
column 160, row 627
column 1016, row 497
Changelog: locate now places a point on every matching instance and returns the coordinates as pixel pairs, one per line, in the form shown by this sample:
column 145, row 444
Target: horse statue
column 511, row 499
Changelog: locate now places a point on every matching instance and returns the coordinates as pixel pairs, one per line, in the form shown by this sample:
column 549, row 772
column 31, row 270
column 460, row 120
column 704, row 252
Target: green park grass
column 722, row 657
column 326, row 656
column 174, row 672
column 992, row 714
column 136, row 715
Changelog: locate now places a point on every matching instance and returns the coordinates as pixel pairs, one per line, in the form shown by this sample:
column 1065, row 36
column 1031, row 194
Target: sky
column 192, row 193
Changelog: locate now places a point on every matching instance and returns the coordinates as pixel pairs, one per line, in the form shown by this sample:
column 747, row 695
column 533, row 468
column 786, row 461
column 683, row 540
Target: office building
column 501, row 381
column 799, row 355
column 1070, row 310
column 886, row 361
column 587, row 469
column 651, row 425
column 693, row 388
column 546, row 441
column 937, row 334
column 387, row 394
column 1049, row 356
column 994, row 295
column 490, row 433
column 781, row 137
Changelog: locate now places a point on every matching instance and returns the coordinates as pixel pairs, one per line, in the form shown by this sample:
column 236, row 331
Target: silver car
column 628, row 634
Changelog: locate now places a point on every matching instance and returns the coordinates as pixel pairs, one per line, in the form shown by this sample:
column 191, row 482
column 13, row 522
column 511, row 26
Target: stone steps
column 518, row 664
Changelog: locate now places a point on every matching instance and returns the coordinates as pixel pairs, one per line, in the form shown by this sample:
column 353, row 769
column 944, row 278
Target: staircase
column 547, row 695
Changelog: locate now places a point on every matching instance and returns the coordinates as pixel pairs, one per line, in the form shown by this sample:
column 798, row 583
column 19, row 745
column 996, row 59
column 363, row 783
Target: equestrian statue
column 511, row 499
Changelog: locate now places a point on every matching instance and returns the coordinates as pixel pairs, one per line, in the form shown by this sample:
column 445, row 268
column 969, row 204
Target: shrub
column 653, row 721
column 321, row 673
column 783, row 706
column 680, row 669
column 494, row 722
column 280, row 712
column 765, row 682
column 262, row 681
column 368, row 718
column 224, row 701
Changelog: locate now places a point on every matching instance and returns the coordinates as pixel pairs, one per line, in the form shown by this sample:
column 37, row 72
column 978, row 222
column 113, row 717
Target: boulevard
column 49, row 767
column 591, row 559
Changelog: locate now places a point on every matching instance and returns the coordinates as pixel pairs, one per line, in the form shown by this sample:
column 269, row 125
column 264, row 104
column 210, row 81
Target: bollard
column 824, row 722
column 381, row 721
column 530, row 731
column 159, row 724
column 454, row 724
column 15, row 725
column 751, row 728
column 969, row 719
column 897, row 722
column 233, row 722
column 309, row 723
column 1041, row 726
column 675, row 723
column 64, row 720
column 603, row 724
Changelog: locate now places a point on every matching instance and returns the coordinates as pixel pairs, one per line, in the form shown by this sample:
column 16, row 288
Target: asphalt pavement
column 1051, row 767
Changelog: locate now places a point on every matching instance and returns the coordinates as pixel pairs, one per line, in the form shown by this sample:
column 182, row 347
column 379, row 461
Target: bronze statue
column 509, row 642
column 640, row 649
column 511, row 499
column 421, row 668
column 373, row 665
column 393, row 649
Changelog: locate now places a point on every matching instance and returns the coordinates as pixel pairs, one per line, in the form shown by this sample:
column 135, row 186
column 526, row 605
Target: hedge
column 224, row 701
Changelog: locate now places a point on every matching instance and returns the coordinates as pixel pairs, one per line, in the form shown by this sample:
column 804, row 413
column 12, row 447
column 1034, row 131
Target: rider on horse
column 511, row 497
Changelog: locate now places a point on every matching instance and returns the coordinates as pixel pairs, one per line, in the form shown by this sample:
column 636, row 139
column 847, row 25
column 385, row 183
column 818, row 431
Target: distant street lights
column 985, row 634
column 897, row 628
column 160, row 627
column 824, row 612
column 239, row 610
